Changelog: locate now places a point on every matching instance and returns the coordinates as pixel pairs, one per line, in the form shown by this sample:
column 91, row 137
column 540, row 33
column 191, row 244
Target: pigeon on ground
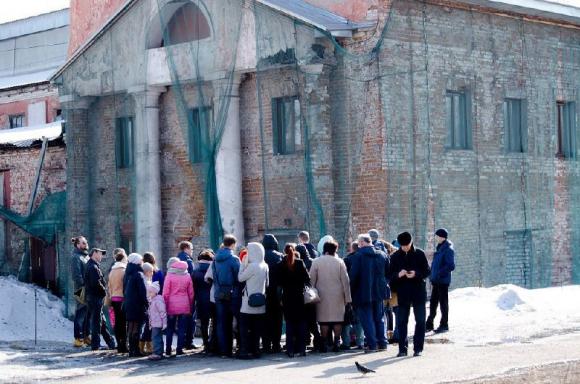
column 362, row 369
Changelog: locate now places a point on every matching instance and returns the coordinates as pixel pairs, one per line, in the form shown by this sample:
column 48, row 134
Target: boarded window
column 515, row 125
column 125, row 132
column 187, row 24
column 518, row 257
column 16, row 121
column 199, row 127
column 567, row 138
column 458, row 113
column 286, row 132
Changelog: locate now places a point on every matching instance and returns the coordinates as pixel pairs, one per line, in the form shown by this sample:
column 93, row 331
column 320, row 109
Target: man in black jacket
column 95, row 293
column 273, row 331
column 409, row 269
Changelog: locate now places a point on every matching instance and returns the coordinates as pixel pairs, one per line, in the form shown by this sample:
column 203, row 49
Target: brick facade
column 373, row 151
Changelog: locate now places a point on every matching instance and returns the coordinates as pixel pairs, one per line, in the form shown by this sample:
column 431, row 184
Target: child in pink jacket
column 178, row 295
column 157, row 319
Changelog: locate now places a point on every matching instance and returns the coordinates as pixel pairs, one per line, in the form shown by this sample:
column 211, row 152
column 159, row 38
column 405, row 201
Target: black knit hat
column 404, row 238
column 442, row 232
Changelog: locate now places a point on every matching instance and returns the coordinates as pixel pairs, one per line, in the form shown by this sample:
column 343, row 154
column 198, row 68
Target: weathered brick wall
column 21, row 164
column 15, row 102
column 483, row 194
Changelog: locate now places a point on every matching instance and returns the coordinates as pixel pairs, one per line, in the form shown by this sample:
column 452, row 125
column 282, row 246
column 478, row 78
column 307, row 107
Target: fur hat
column 135, row 258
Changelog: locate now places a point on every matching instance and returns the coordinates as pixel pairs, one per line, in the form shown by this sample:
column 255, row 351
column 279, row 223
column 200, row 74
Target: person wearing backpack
column 254, row 272
column 225, row 269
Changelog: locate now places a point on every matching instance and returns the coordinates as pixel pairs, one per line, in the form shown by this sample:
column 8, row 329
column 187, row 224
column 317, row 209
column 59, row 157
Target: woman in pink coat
column 178, row 296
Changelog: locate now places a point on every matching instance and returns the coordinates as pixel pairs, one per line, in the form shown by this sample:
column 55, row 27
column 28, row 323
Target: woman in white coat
column 253, row 272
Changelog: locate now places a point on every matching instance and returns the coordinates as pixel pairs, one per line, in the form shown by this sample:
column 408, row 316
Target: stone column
column 229, row 159
column 147, row 184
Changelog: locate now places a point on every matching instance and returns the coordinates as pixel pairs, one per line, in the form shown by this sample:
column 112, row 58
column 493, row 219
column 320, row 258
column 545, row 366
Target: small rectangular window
column 567, row 139
column 458, row 110
column 199, row 127
column 515, row 127
column 125, row 132
column 16, row 121
column 286, row 128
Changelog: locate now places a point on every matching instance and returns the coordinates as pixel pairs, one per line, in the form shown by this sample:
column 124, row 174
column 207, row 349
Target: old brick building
column 280, row 116
column 31, row 50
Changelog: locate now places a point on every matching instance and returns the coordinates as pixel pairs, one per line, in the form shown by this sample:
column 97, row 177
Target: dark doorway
column 43, row 264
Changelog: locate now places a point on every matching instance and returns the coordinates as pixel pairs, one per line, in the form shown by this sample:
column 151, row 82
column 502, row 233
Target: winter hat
column 147, row 267
column 171, row 261
column 374, row 234
column 153, row 287
column 325, row 239
column 442, row 232
column 135, row 258
column 404, row 238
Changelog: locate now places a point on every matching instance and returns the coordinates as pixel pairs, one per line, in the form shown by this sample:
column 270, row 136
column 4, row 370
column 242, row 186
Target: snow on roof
column 25, row 136
column 566, row 10
column 34, row 24
column 8, row 82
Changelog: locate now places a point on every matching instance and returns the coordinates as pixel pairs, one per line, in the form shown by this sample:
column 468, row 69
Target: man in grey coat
column 78, row 262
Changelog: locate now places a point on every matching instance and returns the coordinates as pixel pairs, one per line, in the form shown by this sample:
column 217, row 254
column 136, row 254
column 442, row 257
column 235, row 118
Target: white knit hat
column 135, row 258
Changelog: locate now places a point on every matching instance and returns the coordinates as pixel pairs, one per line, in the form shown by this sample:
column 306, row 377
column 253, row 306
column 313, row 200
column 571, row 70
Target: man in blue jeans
column 227, row 293
column 369, row 287
column 409, row 269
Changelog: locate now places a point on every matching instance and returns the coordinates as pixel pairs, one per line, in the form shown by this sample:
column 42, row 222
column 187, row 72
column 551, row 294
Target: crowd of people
column 243, row 303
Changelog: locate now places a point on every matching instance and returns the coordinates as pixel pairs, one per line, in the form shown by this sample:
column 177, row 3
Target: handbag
column 224, row 292
column 80, row 295
column 311, row 295
column 257, row 300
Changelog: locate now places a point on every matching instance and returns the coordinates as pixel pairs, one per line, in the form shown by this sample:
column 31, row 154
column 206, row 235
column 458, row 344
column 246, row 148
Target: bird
column 362, row 369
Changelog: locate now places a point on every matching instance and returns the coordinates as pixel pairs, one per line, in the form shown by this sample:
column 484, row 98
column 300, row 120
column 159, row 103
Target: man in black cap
column 408, row 271
column 441, row 267
column 95, row 292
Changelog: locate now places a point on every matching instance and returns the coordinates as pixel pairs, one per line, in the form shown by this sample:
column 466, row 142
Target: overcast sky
column 19, row 9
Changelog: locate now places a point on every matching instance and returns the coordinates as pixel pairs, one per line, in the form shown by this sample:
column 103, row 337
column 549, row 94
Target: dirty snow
column 17, row 307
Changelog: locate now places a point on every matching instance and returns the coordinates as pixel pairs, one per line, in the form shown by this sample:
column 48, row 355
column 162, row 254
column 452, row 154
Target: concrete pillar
column 147, row 170
column 229, row 159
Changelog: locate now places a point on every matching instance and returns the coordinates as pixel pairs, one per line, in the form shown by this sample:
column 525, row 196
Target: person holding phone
column 408, row 270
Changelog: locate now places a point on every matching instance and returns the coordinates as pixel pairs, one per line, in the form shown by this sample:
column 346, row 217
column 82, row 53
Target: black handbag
column 257, row 300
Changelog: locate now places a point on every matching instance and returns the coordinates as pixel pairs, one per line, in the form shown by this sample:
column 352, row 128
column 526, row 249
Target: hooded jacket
column 116, row 276
column 273, row 258
column 443, row 263
column 178, row 290
column 369, row 271
column 255, row 275
column 135, row 300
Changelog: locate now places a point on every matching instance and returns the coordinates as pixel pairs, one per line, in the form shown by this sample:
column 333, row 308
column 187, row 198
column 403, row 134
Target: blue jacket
column 160, row 277
column 443, row 263
column 200, row 287
column 135, row 294
column 369, row 270
column 185, row 257
column 227, row 266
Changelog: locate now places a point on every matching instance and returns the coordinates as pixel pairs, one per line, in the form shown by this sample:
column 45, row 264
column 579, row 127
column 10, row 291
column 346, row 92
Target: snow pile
column 17, row 306
column 508, row 313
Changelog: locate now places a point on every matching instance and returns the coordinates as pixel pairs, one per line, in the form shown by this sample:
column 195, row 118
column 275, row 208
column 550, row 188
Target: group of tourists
column 244, row 303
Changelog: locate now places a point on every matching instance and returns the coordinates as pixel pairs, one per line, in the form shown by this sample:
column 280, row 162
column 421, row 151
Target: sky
column 19, row 9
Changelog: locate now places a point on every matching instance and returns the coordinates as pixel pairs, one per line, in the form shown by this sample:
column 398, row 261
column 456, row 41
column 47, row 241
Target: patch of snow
column 17, row 308
column 508, row 313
